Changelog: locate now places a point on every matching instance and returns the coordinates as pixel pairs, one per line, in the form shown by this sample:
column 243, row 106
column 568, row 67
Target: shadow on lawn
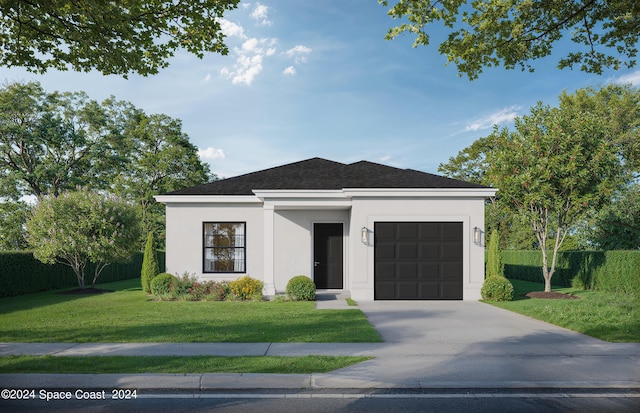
column 53, row 297
column 324, row 329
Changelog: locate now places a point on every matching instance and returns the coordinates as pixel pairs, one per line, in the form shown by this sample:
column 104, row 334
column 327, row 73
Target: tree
column 113, row 37
column 52, row 142
column 82, row 227
column 617, row 108
column 162, row 160
column 617, row 226
column 557, row 165
column 495, row 265
column 149, row 264
column 471, row 165
column 13, row 215
column 512, row 33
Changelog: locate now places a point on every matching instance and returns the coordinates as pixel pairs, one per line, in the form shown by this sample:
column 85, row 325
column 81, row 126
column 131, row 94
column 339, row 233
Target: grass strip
column 177, row 365
column 128, row 315
column 608, row 316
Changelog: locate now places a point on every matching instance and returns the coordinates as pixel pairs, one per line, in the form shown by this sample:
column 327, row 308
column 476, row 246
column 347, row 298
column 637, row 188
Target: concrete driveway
column 472, row 344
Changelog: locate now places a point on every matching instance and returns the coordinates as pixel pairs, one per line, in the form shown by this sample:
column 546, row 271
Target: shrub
column 162, row 283
column 149, row 264
column 181, row 285
column 301, row 288
column 206, row 291
column 246, row 288
column 495, row 265
column 497, row 289
column 82, row 227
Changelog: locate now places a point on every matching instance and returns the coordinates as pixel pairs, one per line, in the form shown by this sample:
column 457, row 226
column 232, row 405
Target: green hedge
column 20, row 273
column 615, row 271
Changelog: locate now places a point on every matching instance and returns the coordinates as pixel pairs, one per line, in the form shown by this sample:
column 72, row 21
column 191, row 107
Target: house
column 379, row 232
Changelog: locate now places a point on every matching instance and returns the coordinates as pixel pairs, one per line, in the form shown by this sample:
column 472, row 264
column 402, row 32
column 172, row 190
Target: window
column 224, row 247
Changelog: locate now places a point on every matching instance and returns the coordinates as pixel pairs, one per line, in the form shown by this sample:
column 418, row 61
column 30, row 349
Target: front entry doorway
column 328, row 255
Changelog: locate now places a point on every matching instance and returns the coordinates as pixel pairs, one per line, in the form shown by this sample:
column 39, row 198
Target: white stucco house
column 378, row 232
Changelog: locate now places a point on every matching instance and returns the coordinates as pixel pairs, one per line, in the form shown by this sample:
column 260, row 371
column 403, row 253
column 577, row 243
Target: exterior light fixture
column 477, row 236
column 364, row 235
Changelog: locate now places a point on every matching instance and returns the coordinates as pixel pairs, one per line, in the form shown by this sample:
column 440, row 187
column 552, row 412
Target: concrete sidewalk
column 427, row 345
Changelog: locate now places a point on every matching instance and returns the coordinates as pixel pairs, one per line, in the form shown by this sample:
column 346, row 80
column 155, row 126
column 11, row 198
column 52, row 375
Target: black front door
column 327, row 256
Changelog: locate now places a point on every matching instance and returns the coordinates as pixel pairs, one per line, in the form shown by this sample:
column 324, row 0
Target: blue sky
column 317, row 78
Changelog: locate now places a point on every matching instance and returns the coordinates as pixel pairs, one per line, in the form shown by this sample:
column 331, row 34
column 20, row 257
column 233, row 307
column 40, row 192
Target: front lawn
column 127, row 315
column 176, row 365
column 607, row 316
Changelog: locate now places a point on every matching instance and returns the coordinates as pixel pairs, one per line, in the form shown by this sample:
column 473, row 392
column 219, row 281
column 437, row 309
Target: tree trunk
column 546, row 274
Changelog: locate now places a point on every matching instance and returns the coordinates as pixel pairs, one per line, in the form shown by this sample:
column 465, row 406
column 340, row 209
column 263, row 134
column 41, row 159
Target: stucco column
column 269, row 250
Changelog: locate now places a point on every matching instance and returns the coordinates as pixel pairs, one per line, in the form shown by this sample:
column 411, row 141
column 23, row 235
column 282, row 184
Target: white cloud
column 211, row 153
column 299, row 53
column 249, row 61
column 231, row 29
column 207, row 78
column 633, row 78
column 501, row 116
column 261, row 14
column 290, row 71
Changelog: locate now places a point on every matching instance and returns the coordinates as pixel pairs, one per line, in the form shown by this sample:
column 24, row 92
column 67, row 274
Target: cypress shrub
column 149, row 264
column 495, row 265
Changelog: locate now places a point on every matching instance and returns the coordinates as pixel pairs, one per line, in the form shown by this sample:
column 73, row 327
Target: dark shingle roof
column 318, row 173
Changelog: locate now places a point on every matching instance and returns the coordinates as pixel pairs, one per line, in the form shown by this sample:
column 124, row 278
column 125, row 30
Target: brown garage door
column 418, row 260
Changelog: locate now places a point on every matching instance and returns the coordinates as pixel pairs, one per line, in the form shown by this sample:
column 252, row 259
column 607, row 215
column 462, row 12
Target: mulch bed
column 84, row 291
column 551, row 294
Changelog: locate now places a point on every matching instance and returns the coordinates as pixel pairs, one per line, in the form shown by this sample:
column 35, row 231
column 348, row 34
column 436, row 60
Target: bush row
column 165, row 286
column 614, row 271
column 20, row 273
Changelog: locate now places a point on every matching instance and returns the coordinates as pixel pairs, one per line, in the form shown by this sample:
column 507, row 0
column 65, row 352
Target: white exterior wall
column 294, row 242
column 185, row 236
column 279, row 230
column 366, row 211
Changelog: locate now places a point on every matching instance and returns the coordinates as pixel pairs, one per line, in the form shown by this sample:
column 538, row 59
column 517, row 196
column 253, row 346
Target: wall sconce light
column 477, row 236
column 364, row 235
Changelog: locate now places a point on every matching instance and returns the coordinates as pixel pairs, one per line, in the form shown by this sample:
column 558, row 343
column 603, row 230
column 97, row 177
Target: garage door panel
column 418, row 260
column 407, row 231
column 385, row 271
column 450, row 290
column 451, row 251
column 429, row 290
column 407, row 270
column 407, row 251
column 451, row 270
column 385, row 230
column 429, row 251
column 386, row 290
column 450, row 230
column 429, row 271
column 407, row 291
column 386, row 251
column 429, row 230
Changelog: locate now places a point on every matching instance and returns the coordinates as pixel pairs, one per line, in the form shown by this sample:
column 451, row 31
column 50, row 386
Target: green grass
column 127, row 315
column 177, row 365
column 607, row 316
